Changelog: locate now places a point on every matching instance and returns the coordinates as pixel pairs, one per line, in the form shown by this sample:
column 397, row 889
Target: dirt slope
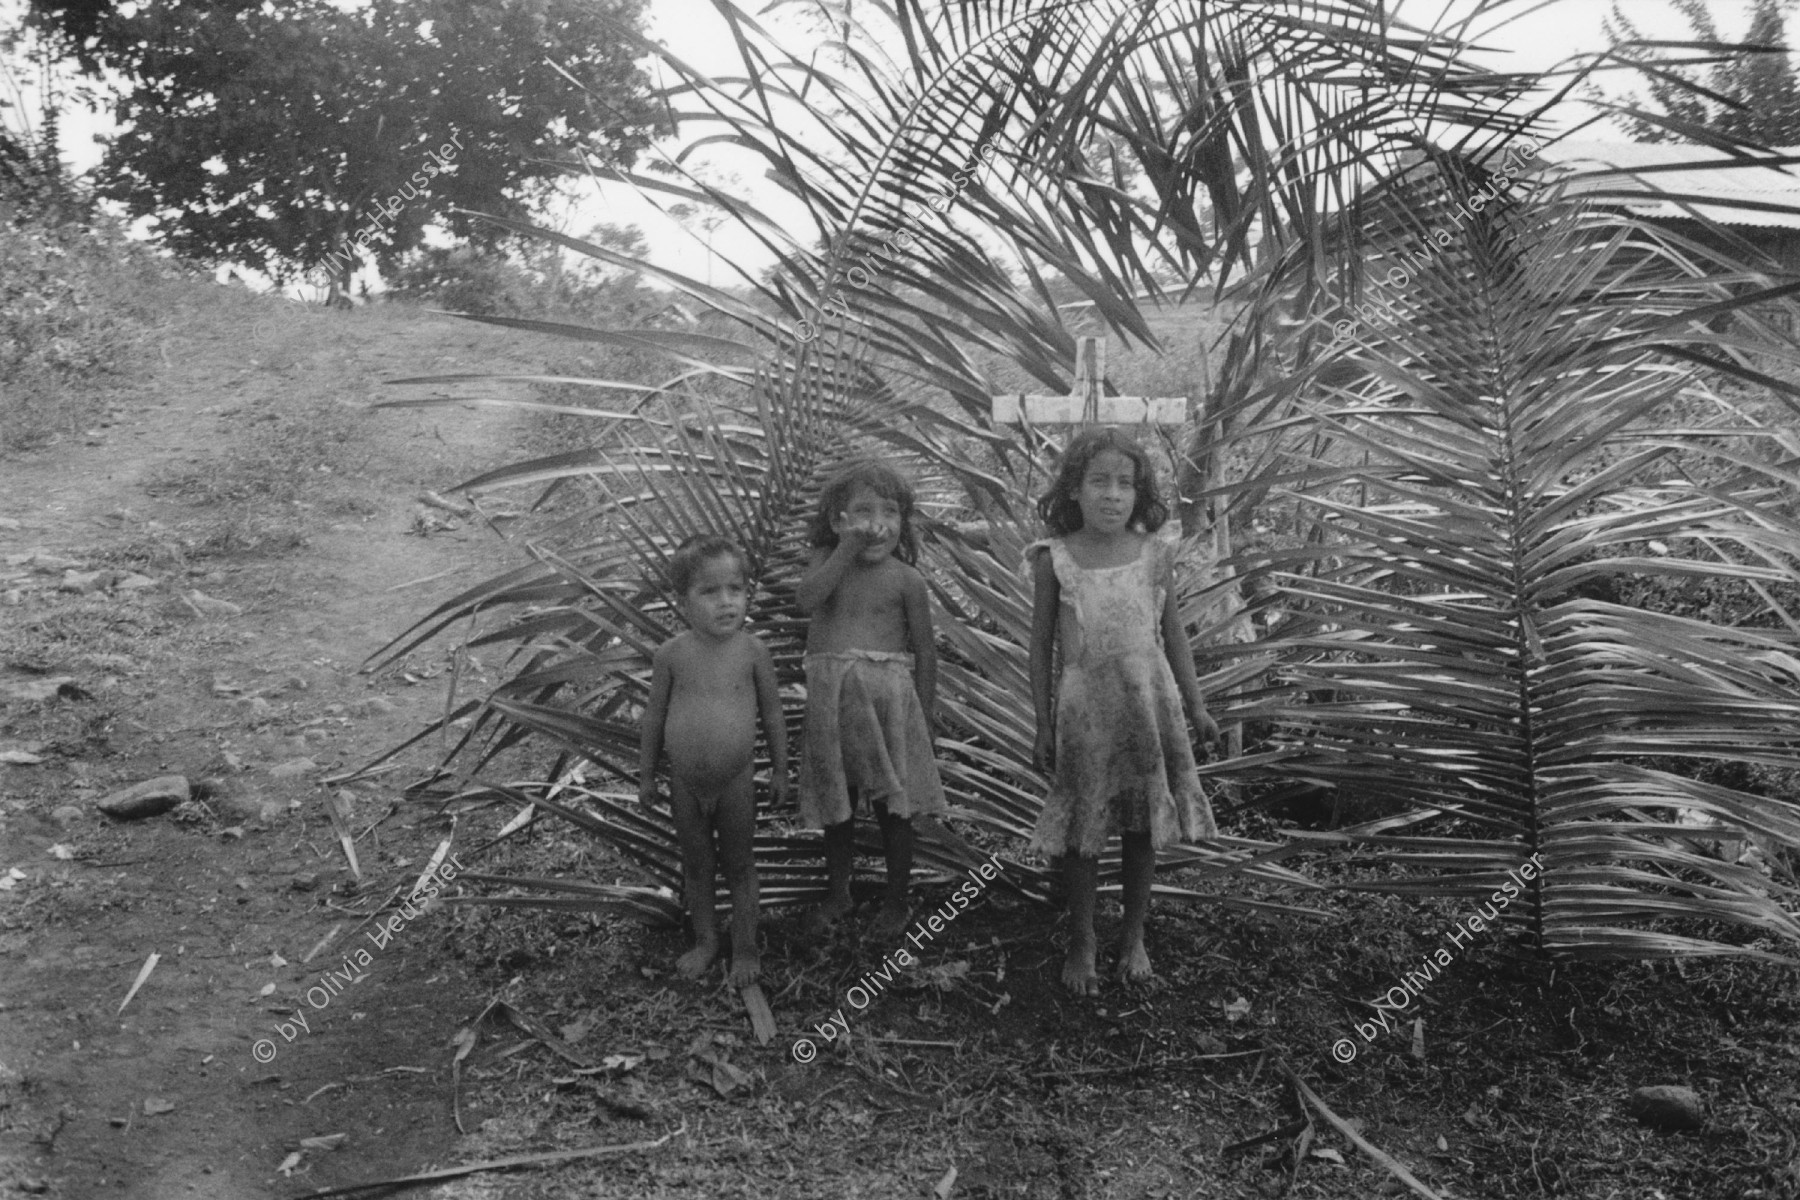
column 200, row 485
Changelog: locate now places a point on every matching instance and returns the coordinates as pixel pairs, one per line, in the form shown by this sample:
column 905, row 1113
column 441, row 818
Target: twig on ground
column 1280, row 1133
column 340, row 824
column 1356, row 1139
column 322, row 943
column 433, row 500
column 392, row 809
column 1161, row 1064
column 143, row 974
column 496, row 1164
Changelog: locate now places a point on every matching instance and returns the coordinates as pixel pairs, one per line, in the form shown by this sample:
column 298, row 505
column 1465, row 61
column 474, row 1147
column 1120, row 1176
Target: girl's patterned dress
column 1123, row 759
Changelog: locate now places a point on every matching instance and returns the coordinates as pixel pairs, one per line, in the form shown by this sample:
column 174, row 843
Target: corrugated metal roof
column 1609, row 168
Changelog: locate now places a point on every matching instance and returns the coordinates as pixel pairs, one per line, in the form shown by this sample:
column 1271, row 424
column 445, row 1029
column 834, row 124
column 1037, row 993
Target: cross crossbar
column 1085, row 404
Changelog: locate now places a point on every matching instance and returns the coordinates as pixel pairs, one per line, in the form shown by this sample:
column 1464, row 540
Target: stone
column 374, row 706
column 304, row 881
column 52, row 564
column 83, row 582
column 134, row 583
column 34, row 691
column 293, row 768
column 67, row 814
column 1668, row 1107
column 10, row 525
column 146, row 799
column 212, row 606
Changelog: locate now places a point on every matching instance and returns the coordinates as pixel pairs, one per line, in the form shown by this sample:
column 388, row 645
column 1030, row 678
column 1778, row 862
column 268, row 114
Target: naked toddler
column 707, row 688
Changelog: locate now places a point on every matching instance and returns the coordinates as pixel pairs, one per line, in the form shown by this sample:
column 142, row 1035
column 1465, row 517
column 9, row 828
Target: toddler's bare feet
column 892, row 921
column 693, row 964
column 746, row 969
column 1134, row 964
column 1078, row 968
column 821, row 919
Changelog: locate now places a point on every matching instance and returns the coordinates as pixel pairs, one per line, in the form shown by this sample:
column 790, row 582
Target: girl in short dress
column 871, row 684
column 1110, row 676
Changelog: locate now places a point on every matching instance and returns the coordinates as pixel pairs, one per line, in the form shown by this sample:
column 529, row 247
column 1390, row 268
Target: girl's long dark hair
column 1061, row 510
column 879, row 478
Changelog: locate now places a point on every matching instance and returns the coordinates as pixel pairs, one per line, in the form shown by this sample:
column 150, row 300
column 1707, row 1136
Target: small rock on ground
column 1667, row 1107
column 34, row 691
column 293, row 768
column 147, row 799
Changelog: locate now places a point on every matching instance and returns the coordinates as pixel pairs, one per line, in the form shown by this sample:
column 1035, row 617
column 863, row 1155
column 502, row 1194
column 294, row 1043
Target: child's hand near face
column 861, row 534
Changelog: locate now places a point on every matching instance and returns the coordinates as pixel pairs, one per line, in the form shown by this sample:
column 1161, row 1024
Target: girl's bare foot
column 1134, row 964
column 693, row 964
column 820, row 920
column 1078, row 968
column 892, row 922
column 746, row 969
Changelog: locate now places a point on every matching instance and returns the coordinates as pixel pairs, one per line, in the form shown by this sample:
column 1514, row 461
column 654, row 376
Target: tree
column 308, row 135
column 1753, row 92
column 1532, row 412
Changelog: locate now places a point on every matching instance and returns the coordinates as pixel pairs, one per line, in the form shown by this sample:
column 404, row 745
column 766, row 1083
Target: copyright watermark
column 873, row 983
column 1412, row 984
column 1398, row 278
column 356, row 962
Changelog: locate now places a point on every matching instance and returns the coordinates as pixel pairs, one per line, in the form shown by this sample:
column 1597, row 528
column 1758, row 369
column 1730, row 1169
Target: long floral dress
column 1123, row 757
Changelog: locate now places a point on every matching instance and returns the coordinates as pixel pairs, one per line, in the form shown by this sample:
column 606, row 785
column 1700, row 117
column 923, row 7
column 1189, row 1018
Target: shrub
column 76, row 306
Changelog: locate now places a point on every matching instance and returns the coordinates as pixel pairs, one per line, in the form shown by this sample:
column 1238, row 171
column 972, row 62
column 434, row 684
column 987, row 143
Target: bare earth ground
column 156, row 688
column 971, row 1076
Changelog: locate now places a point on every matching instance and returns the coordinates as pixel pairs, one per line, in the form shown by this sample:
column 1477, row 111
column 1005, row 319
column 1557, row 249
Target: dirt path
column 232, row 657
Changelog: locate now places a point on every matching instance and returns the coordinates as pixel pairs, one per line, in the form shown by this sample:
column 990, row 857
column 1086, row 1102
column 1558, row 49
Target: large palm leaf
column 1527, row 417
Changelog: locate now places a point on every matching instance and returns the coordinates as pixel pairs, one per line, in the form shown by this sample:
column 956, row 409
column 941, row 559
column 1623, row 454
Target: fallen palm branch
column 791, row 866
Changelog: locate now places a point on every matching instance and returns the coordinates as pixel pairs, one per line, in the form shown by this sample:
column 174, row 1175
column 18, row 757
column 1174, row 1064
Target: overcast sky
column 693, row 30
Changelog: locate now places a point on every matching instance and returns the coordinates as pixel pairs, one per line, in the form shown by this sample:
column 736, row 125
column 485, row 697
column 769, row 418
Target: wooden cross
column 1085, row 404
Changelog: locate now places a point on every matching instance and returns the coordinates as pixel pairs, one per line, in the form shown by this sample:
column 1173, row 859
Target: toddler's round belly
column 709, row 744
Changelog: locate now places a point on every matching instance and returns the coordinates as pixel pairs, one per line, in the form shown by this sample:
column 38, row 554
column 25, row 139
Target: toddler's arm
column 1046, row 594
column 1181, row 661
column 768, row 700
column 917, row 601
column 656, row 712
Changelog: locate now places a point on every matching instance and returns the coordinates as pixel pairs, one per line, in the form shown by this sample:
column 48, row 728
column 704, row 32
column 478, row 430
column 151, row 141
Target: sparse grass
column 293, row 453
column 302, row 461
column 78, row 310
